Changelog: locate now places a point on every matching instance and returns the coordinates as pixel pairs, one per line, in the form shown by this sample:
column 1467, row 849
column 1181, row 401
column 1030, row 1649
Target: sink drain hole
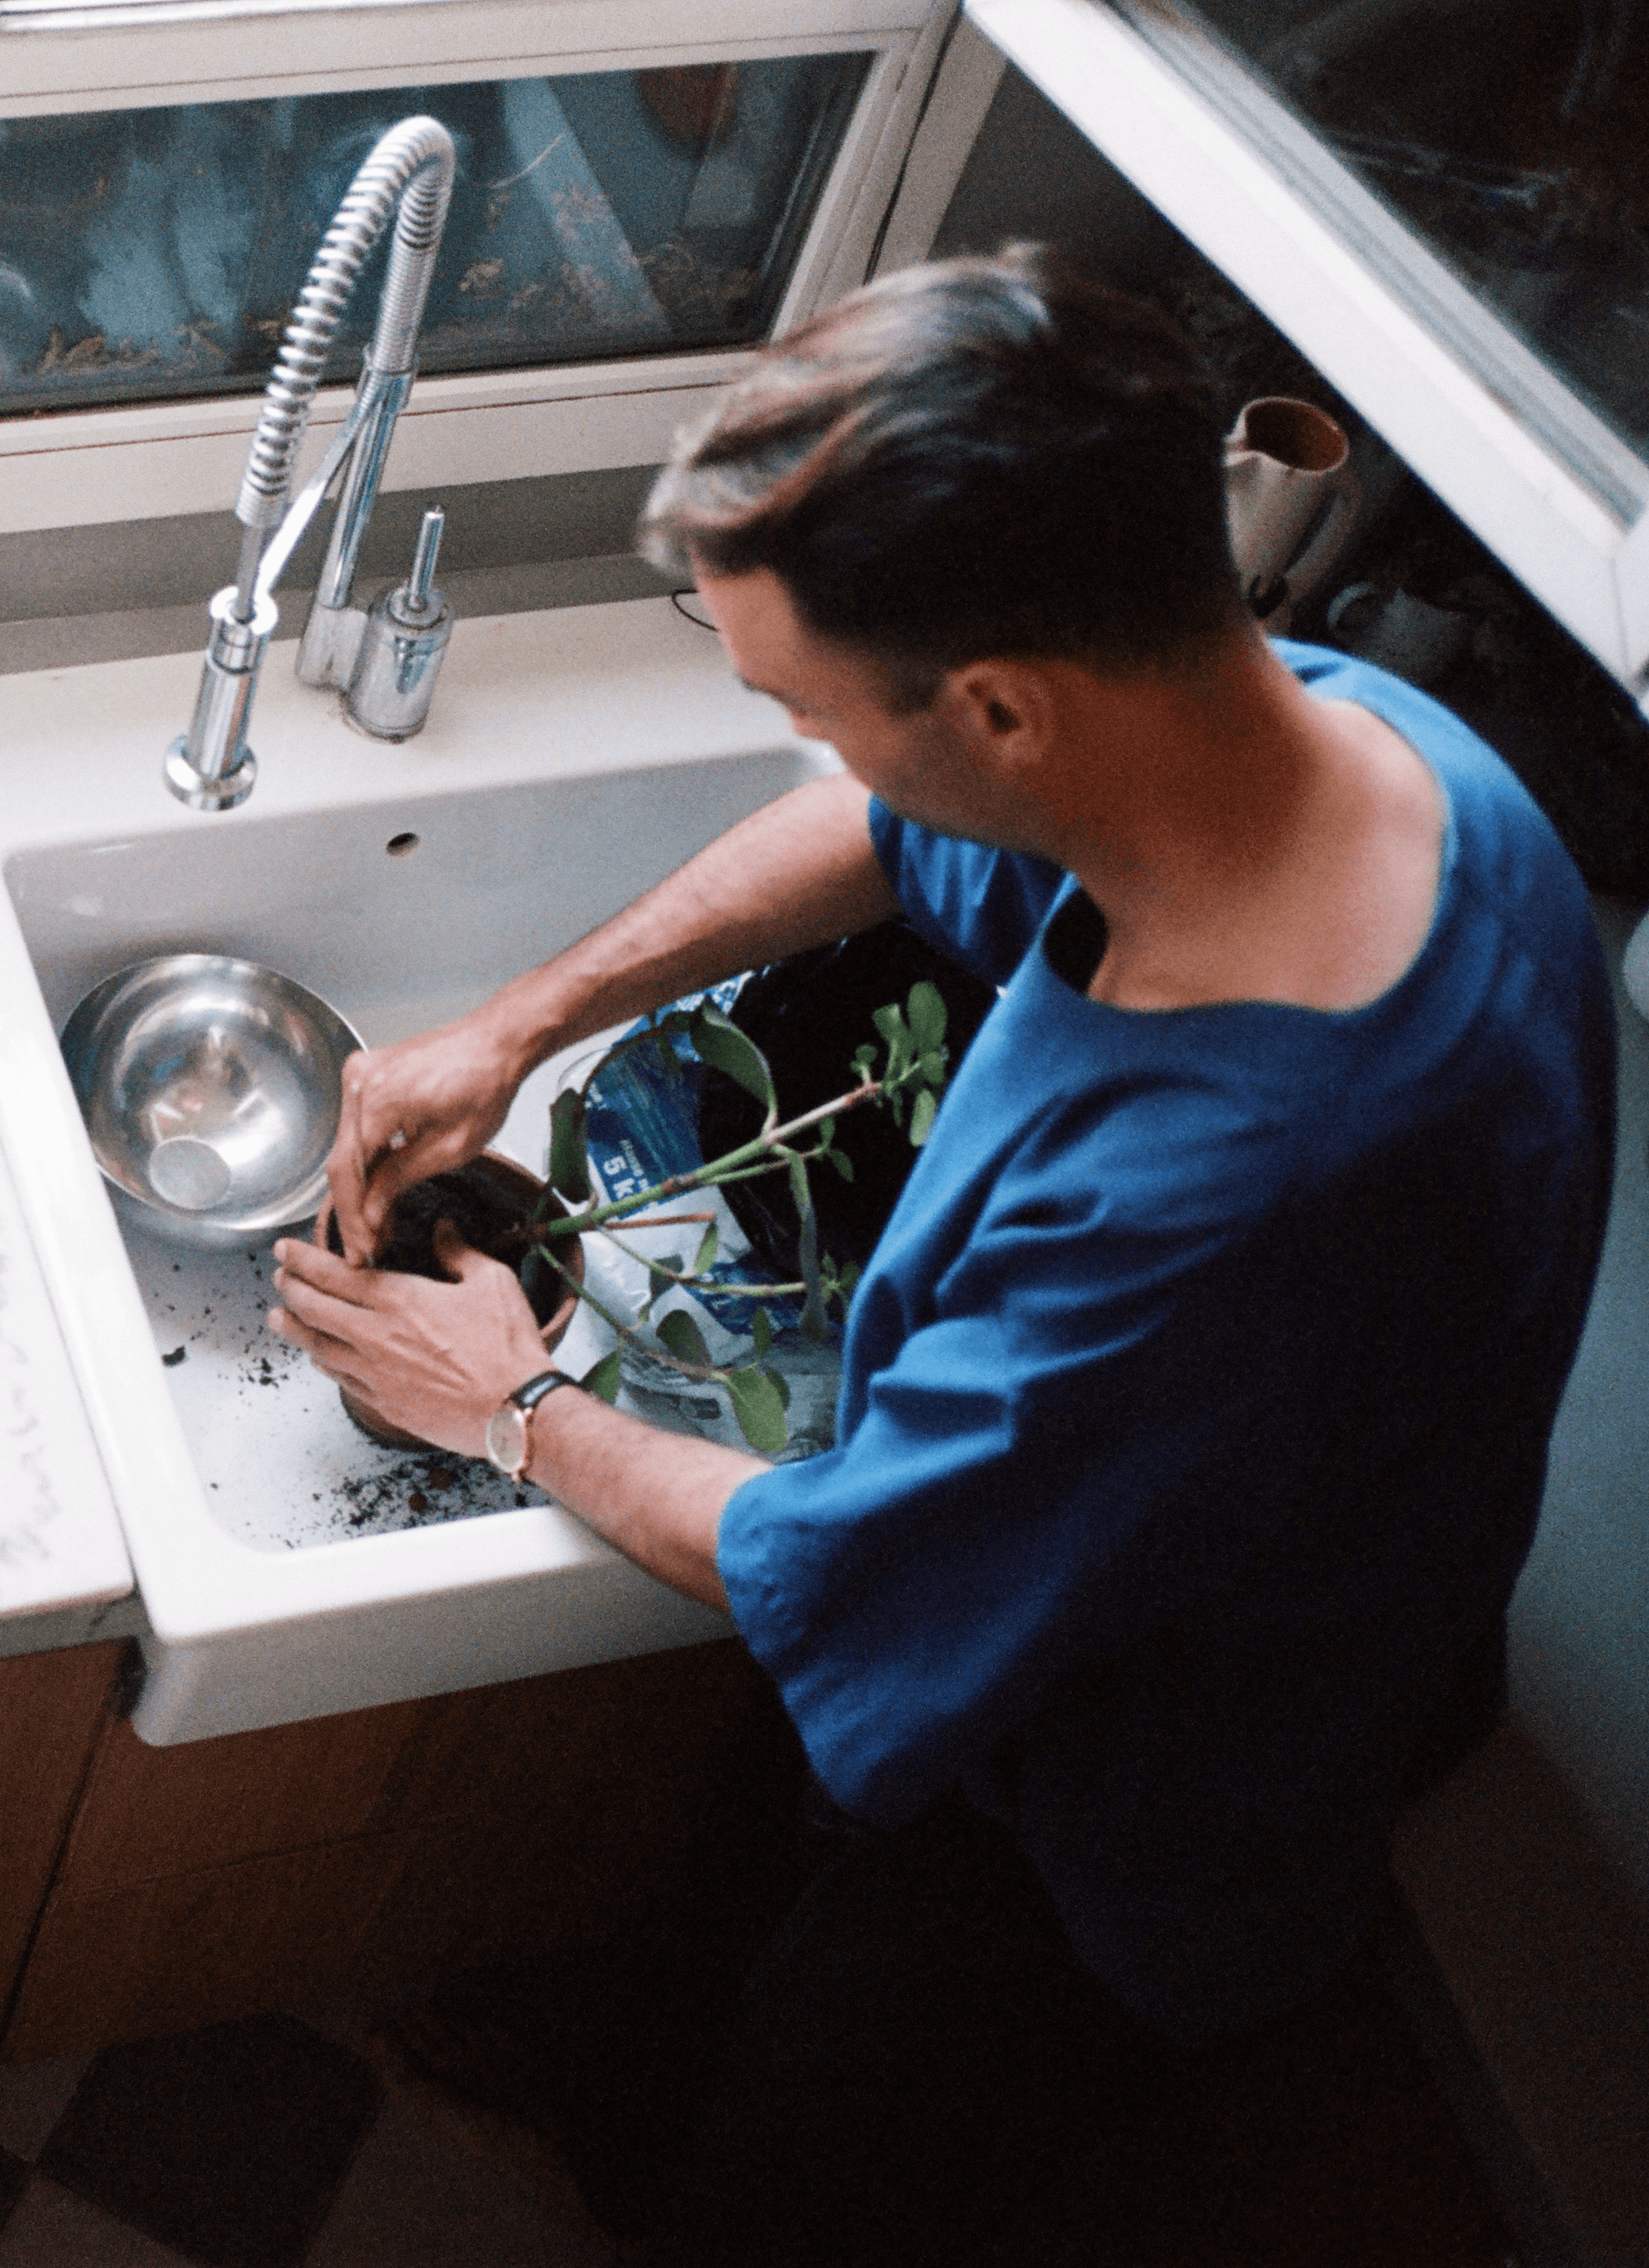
column 401, row 846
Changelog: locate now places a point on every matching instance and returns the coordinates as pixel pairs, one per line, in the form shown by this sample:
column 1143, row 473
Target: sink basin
column 289, row 1567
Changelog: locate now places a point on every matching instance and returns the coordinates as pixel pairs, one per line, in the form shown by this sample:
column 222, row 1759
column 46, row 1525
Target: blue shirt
column 1196, row 1402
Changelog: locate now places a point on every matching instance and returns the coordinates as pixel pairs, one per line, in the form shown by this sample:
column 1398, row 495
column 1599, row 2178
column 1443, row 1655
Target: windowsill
column 131, row 634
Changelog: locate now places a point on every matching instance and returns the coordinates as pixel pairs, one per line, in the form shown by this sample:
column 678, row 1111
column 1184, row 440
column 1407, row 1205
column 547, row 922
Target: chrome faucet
column 409, row 174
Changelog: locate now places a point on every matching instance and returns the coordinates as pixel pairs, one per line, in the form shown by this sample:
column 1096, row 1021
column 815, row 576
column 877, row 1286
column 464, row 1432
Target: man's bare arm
column 658, row 1496
column 799, row 873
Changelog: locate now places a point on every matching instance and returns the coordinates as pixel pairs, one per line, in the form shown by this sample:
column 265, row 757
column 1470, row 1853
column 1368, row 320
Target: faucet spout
column 409, row 175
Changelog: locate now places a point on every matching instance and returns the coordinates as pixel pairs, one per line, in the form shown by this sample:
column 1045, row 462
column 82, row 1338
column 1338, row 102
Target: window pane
column 158, row 252
column 1510, row 135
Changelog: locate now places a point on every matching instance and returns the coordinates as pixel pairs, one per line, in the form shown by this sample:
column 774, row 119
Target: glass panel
column 158, row 252
column 1509, row 134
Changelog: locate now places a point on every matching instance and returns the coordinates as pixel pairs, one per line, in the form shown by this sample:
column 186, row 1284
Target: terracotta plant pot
column 493, row 1202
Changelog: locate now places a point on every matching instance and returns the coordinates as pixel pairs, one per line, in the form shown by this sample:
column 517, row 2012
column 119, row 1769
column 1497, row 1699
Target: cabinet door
column 52, row 1708
column 355, row 1854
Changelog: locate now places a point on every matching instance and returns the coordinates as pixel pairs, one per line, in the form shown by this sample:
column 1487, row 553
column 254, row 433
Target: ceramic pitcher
column 1293, row 500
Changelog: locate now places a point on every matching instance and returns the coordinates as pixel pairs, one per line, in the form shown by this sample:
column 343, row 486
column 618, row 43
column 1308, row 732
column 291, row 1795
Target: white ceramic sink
column 289, row 1567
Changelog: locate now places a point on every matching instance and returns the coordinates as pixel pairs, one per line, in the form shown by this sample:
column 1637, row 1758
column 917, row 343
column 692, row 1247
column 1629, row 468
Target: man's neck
column 1243, row 840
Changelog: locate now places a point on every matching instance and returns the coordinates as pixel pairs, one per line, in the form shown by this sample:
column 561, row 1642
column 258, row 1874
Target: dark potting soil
column 488, row 1216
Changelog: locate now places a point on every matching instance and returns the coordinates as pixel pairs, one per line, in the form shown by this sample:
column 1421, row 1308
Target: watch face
column 506, row 1439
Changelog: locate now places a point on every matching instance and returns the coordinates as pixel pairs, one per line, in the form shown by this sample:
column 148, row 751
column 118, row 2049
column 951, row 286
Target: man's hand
column 424, row 1107
column 434, row 1359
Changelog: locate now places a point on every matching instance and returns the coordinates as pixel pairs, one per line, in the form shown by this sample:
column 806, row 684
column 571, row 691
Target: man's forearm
column 799, row 873
column 658, row 1497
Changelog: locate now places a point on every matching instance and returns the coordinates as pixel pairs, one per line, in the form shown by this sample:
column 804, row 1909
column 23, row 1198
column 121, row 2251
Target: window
column 155, row 254
column 1442, row 208
column 1515, row 150
column 647, row 190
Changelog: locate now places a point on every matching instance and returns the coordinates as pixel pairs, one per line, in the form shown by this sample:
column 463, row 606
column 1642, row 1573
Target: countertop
column 64, row 1563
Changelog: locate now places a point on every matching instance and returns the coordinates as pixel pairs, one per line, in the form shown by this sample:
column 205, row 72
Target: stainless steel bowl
column 211, row 1089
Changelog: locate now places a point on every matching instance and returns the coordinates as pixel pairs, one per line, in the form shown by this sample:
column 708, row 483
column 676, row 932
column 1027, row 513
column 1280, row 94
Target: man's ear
column 1004, row 711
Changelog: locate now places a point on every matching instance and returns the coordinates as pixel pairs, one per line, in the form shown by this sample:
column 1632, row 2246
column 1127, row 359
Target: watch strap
column 528, row 1396
column 510, row 1448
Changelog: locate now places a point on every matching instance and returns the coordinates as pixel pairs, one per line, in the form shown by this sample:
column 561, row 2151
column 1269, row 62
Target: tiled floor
column 259, row 2144
column 273, row 2143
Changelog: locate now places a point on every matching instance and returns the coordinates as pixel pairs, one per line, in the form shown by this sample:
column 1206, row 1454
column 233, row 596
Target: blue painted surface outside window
column 156, row 253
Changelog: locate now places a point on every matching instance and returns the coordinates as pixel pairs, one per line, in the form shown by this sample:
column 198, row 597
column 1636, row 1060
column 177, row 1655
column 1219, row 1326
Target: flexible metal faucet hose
column 412, row 168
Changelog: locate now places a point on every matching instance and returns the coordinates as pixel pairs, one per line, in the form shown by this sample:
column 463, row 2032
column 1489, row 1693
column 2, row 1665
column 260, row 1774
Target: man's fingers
column 462, row 1263
column 307, row 1264
column 394, row 1171
column 286, row 1326
column 349, row 1164
column 378, row 1152
column 327, row 1299
column 332, row 1356
column 317, row 1311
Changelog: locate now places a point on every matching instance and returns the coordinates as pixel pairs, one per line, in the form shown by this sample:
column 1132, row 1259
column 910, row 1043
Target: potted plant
column 908, row 1084
column 498, row 1207
column 537, row 1227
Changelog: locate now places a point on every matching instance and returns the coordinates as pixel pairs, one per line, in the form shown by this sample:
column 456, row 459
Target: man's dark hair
column 980, row 457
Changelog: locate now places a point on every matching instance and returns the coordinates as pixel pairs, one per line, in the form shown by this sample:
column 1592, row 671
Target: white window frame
column 149, row 460
column 1559, row 498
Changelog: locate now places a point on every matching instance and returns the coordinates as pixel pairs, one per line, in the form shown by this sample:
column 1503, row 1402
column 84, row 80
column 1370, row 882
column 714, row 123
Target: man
column 1196, row 1402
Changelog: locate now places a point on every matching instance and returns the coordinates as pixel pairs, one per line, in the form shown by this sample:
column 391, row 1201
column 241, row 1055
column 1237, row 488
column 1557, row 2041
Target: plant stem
column 694, row 1370
column 734, row 1166
column 685, row 1277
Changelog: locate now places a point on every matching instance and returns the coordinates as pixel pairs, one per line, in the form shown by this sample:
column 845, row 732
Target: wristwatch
column 508, row 1428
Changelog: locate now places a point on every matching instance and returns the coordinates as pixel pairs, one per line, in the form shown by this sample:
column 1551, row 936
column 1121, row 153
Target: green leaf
column 932, row 1065
column 602, row 1378
column 759, row 1409
column 705, row 1256
column 840, row 1281
column 681, row 1334
column 569, row 1162
column 826, row 1133
column 726, row 1048
column 864, row 1062
column 891, row 1024
column 650, row 1037
column 843, row 1163
column 761, row 1330
column 923, row 1113
column 927, row 1016
column 780, row 1381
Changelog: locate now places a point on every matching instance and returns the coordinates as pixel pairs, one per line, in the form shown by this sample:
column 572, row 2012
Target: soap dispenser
column 392, row 682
